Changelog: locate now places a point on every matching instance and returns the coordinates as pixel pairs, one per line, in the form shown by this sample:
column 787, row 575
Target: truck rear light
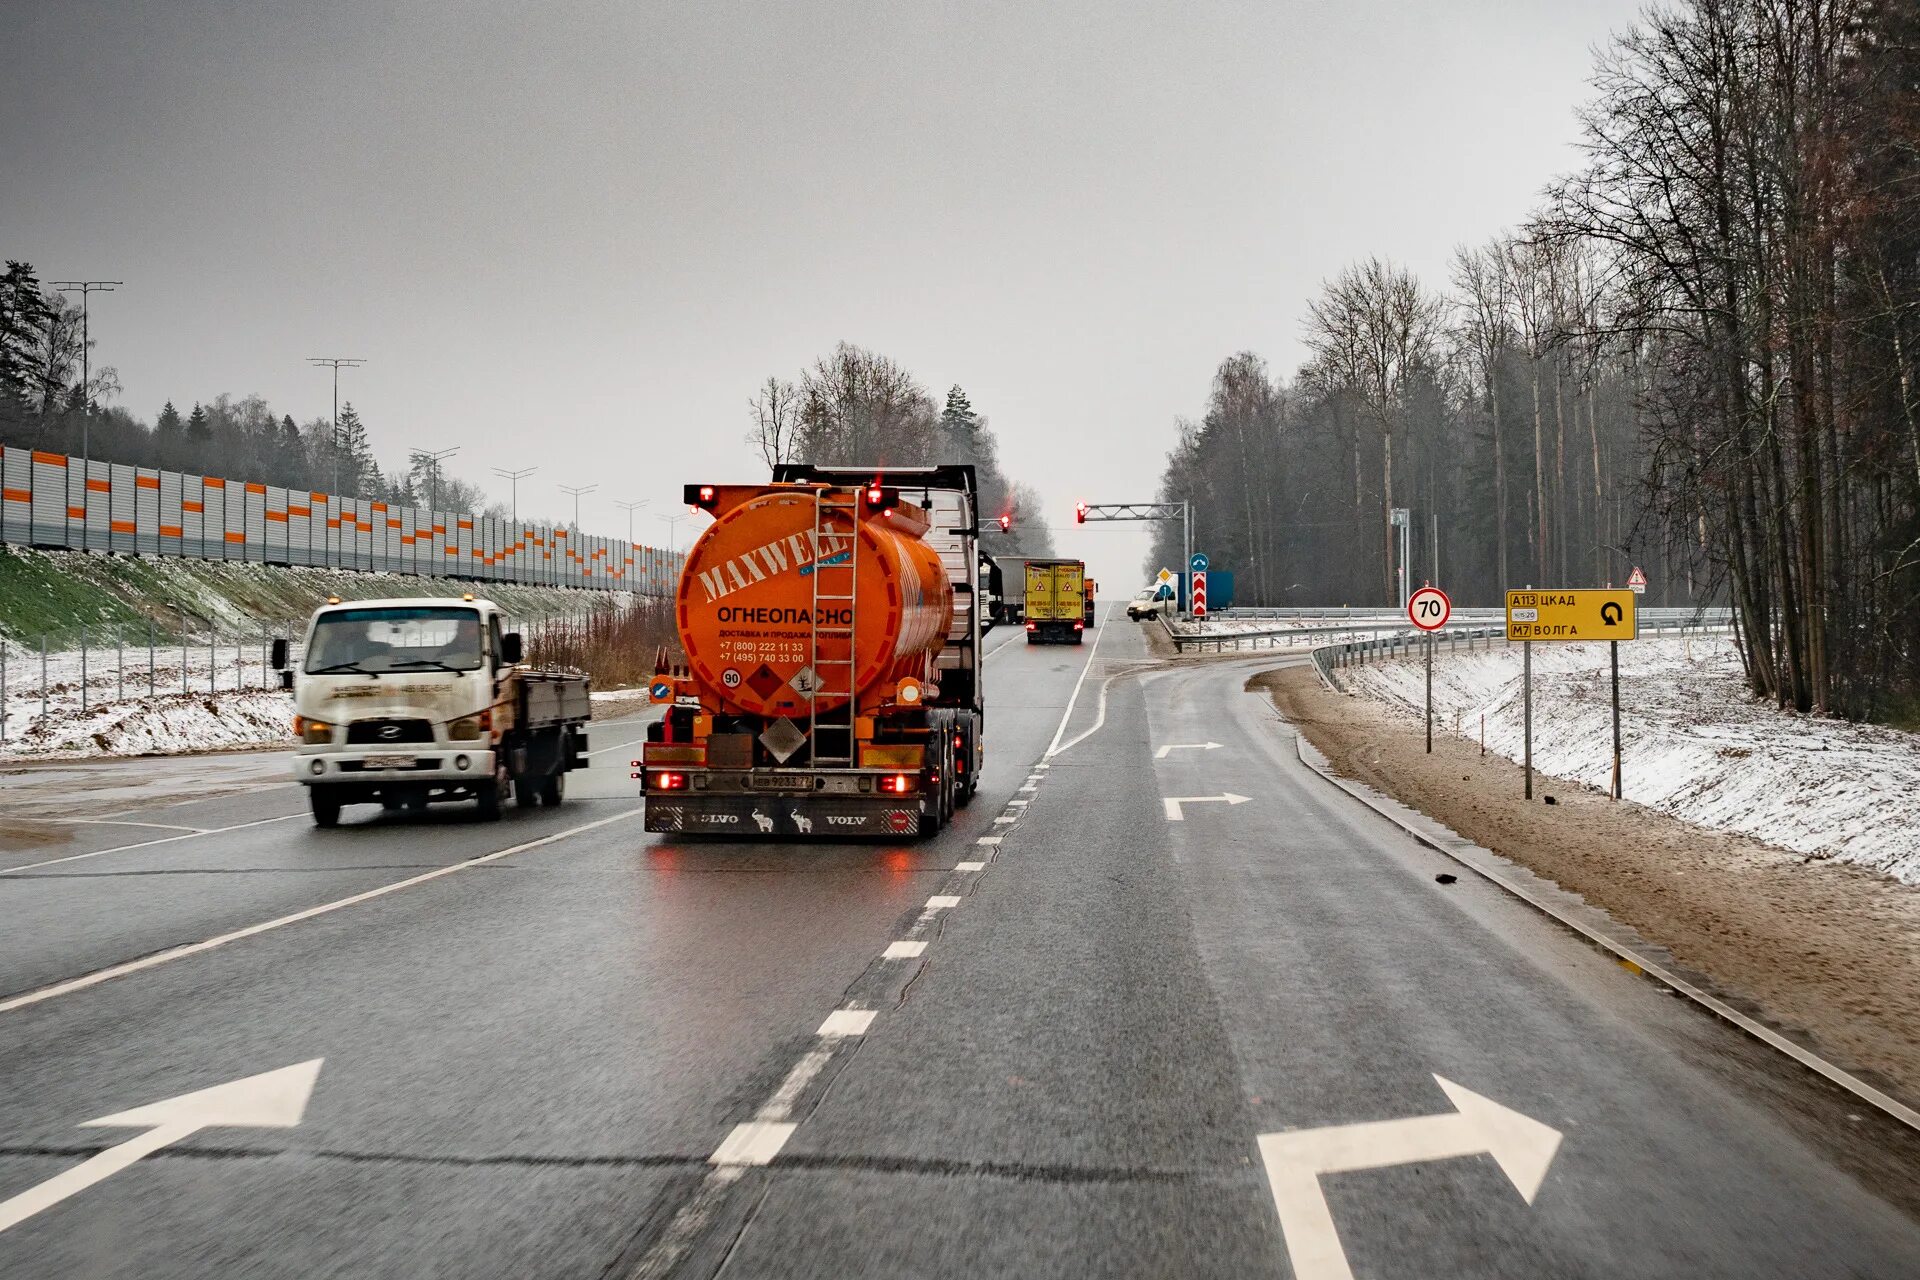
column 898, row 784
column 669, row 781
column 1033, row 626
column 1079, row 626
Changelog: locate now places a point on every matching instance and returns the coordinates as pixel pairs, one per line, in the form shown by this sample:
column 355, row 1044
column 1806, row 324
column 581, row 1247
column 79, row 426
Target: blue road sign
column 1199, row 562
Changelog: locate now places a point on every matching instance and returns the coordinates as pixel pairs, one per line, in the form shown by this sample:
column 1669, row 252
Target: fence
column 51, row 500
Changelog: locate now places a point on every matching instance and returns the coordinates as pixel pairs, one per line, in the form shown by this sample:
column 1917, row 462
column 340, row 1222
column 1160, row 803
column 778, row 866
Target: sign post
column 1566, row 617
column 1428, row 609
column 1197, row 585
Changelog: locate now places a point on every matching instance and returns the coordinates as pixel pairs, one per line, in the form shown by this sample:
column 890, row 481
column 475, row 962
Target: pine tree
column 199, row 429
column 357, row 466
column 23, row 321
column 960, row 424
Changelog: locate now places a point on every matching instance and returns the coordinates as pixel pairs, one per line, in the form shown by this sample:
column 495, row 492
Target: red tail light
column 1079, row 626
column 670, row 782
column 1033, row 626
column 899, row 784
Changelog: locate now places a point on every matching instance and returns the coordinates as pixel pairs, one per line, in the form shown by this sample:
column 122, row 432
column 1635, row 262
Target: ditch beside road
column 1826, row 950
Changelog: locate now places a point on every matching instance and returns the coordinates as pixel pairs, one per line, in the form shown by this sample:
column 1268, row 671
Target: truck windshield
column 395, row 639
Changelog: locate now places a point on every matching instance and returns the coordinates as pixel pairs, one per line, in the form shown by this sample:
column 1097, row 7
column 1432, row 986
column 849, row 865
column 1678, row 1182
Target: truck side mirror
column 510, row 648
column 279, row 661
column 286, row 681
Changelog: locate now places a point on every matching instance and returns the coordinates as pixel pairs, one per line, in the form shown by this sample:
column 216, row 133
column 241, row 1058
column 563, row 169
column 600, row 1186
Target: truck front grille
column 381, row 733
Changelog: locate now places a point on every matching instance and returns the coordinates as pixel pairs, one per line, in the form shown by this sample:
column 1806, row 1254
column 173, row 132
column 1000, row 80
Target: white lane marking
column 755, row 1142
column 1161, row 754
column 1018, row 804
column 969, row 866
column 989, row 840
column 1173, row 803
column 942, row 902
column 271, row 1100
column 666, row 1252
column 1029, row 787
column 1099, row 719
column 148, row 844
column 903, row 950
column 847, row 1022
column 1054, row 748
column 780, row 1105
column 1043, row 766
column 1520, row 1145
column 1004, row 819
column 123, row 822
column 99, row 976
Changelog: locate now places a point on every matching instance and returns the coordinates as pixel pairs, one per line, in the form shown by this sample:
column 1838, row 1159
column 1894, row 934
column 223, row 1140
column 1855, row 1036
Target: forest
column 1696, row 355
column 44, row 405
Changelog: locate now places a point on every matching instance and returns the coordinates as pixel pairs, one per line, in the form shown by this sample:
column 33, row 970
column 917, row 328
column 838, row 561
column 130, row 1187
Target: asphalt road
column 1053, row 1053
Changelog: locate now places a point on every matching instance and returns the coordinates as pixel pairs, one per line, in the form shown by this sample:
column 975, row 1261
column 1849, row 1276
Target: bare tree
column 775, row 410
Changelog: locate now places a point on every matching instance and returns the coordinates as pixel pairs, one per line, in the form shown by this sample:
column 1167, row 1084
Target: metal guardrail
column 1462, row 622
column 1328, row 659
column 1660, row 613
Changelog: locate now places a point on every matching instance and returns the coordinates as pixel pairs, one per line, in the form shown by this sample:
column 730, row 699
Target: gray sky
column 576, row 235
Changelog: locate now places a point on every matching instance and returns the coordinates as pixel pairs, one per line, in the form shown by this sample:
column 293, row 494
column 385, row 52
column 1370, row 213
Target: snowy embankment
column 223, row 699
column 1695, row 743
column 1231, row 625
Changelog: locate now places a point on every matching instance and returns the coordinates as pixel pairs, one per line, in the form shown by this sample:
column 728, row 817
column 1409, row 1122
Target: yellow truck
column 1056, row 601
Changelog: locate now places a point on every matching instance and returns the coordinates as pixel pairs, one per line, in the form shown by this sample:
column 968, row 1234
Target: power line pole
column 673, row 536
column 514, row 478
column 86, row 289
column 336, row 363
column 630, row 508
column 576, row 492
column 431, row 460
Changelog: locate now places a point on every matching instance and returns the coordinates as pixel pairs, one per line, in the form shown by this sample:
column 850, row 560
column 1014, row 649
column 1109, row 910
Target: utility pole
column 576, row 491
column 630, row 508
column 431, row 460
column 1402, row 519
column 86, row 289
column 673, row 536
column 336, row 363
column 514, row 478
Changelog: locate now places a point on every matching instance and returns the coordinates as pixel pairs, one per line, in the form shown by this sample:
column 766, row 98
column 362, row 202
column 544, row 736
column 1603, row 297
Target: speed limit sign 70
column 1428, row 608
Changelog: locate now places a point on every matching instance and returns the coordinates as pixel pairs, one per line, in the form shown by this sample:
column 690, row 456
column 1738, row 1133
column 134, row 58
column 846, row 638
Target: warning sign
column 1637, row 581
column 1570, row 615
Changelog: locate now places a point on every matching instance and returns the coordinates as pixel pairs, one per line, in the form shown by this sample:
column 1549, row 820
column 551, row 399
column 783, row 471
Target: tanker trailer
column 831, row 680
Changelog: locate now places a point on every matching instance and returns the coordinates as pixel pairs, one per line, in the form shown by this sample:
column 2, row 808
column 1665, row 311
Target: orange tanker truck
column 832, row 676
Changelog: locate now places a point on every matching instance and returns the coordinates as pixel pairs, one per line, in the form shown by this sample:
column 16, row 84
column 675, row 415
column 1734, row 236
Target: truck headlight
column 316, row 733
column 469, row 728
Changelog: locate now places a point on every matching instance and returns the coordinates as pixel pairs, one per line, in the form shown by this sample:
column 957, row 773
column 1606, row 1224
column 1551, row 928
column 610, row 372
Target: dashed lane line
column 154, row 961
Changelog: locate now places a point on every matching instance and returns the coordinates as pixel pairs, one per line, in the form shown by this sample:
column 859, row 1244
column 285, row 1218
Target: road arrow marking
column 1520, row 1145
column 1173, row 805
column 270, row 1100
column 1161, row 754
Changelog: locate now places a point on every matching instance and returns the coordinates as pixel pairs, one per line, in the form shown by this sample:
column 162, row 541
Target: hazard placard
column 1570, row 615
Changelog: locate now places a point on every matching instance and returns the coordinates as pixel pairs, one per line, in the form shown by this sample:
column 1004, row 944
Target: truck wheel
column 553, row 790
column 492, row 795
column 326, row 806
column 526, row 791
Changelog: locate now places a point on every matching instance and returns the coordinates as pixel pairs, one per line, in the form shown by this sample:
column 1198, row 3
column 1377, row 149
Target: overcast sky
column 576, row 235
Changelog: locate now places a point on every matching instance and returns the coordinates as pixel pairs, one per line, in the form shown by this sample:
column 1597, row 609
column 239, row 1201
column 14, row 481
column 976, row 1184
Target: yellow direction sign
column 1570, row 615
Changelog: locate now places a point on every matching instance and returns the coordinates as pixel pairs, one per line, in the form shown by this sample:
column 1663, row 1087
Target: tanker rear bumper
column 797, row 815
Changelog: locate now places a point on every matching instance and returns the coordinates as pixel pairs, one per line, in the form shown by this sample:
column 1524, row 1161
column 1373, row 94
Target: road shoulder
column 1828, row 951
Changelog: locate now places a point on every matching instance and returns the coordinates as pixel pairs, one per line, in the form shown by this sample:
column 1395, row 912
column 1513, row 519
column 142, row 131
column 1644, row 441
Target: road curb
column 1635, row 960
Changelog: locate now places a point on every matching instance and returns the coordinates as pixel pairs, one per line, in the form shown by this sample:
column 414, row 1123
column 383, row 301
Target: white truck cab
column 413, row 700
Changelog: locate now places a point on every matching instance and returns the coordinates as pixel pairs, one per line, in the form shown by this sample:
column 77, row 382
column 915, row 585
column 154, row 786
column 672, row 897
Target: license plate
column 392, row 762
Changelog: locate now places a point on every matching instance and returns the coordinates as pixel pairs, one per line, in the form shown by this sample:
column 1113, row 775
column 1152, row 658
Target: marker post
column 1526, row 702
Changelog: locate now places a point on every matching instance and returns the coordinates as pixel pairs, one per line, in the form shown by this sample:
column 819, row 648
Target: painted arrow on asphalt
column 1161, row 754
column 1520, row 1145
column 1173, row 805
column 270, row 1100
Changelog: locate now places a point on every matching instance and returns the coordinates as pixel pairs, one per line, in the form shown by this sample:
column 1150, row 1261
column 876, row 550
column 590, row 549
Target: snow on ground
column 1230, row 625
column 1695, row 743
column 227, row 698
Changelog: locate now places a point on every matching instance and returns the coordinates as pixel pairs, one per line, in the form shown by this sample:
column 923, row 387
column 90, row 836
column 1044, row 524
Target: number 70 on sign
column 1429, row 608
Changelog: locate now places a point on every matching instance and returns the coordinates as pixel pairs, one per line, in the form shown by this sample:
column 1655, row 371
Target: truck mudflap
column 817, row 817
